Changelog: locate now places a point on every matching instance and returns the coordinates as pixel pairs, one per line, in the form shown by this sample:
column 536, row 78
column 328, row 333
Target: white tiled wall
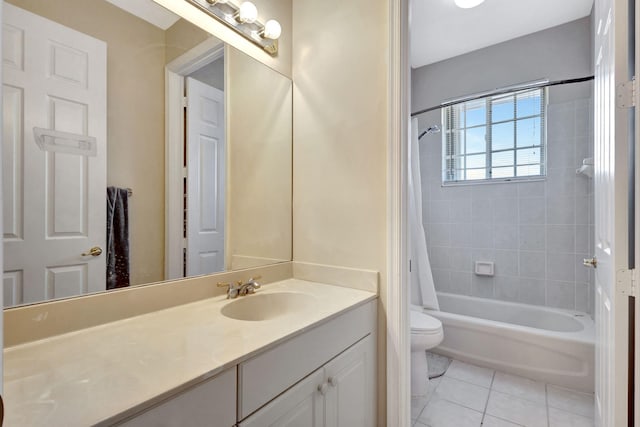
column 537, row 233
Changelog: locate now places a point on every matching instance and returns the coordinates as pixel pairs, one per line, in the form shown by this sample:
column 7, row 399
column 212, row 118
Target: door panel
column 12, row 163
column 13, row 287
column 209, row 150
column 54, row 78
column 67, row 181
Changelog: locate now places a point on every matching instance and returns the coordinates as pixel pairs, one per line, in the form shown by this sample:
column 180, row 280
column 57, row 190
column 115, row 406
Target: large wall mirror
column 100, row 190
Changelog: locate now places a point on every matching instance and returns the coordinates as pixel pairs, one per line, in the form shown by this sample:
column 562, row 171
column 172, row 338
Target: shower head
column 429, row 130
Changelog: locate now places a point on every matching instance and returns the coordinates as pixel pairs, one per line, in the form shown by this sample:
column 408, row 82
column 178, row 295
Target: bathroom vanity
column 296, row 351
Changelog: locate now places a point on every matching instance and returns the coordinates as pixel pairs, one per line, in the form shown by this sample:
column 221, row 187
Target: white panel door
column 611, row 227
column 206, row 160
column 54, row 203
column 350, row 398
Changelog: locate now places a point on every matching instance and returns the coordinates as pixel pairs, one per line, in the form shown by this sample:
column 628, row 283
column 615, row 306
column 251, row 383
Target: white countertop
column 116, row 369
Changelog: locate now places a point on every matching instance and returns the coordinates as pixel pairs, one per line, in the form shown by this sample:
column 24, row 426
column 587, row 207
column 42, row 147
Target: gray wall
column 212, row 74
column 557, row 53
column 536, row 232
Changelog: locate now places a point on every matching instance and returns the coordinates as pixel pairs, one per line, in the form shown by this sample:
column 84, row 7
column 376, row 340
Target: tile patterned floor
column 471, row 396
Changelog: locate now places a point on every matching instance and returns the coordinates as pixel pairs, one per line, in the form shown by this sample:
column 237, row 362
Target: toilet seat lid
column 424, row 323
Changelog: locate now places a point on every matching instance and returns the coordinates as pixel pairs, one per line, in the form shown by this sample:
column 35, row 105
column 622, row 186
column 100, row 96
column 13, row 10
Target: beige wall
column 212, row 74
column 135, row 116
column 259, row 162
column 340, row 72
column 181, row 37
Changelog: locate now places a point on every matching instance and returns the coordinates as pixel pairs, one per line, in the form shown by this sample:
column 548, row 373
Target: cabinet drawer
column 267, row 375
column 211, row 403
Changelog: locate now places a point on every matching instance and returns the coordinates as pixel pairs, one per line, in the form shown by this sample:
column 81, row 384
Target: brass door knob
column 94, row 251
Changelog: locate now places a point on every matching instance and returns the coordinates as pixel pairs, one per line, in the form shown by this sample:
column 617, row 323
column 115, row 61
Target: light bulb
column 468, row 4
column 248, row 13
column 272, row 30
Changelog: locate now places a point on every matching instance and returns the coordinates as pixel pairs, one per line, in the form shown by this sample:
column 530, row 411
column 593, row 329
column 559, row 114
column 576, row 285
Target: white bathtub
column 550, row 345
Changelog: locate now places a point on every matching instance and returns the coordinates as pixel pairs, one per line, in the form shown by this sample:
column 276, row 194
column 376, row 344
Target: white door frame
column 1, row 219
column 637, row 230
column 175, row 72
column 397, row 289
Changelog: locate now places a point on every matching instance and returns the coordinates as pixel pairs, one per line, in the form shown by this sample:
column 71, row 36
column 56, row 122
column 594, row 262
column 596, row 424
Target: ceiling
column 148, row 10
column 441, row 30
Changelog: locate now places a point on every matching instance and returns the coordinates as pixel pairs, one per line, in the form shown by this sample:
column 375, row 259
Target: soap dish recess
column 484, row 268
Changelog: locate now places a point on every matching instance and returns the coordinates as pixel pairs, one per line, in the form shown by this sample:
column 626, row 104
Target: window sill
column 494, row 181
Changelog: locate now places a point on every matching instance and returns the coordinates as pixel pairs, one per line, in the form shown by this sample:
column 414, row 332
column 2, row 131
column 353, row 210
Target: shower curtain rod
column 503, row 91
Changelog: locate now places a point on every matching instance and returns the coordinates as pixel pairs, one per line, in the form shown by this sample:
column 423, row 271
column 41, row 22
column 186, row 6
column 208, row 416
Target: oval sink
column 267, row 306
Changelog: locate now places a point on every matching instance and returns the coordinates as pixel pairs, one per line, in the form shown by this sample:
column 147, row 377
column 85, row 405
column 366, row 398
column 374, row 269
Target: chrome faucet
column 250, row 287
column 240, row 288
column 232, row 290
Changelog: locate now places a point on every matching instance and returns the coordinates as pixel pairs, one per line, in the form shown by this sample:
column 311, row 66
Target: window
column 499, row 137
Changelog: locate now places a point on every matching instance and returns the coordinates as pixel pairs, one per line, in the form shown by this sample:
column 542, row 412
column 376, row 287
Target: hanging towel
column 117, row 238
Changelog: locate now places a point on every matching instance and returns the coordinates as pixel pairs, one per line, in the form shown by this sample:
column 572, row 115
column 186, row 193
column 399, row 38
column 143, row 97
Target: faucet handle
column 255, row 285
column 232, row 290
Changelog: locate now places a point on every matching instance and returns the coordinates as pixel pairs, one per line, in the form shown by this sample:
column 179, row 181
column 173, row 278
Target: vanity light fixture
column 468, row 4
column 248, row 13
column 243, row 19
column 272, row 30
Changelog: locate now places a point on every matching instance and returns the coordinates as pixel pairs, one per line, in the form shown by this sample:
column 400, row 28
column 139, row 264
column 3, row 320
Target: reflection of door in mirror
column 54, row 198
column 206, row 159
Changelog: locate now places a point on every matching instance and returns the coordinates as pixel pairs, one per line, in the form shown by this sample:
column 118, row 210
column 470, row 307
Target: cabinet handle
column 322, row 388
column 332, row 381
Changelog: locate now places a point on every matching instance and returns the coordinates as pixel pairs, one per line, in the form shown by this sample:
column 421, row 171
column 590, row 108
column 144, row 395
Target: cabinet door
column 350, row 397
column 300, row 406
column 212, row 403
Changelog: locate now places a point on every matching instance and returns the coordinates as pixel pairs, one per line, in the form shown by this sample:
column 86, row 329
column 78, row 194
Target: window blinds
column 499, row 137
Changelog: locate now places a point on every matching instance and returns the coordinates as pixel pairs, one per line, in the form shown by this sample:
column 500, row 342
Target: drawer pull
column 332, row 381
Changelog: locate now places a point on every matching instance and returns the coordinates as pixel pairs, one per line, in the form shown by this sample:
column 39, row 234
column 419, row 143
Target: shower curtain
column 420, row 277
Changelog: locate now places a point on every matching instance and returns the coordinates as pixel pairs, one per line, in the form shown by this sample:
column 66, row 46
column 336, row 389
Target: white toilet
column 426, row 333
